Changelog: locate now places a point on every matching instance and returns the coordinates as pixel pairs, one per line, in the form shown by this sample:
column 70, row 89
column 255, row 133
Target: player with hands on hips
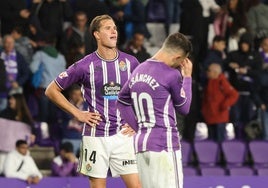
column 107, row 141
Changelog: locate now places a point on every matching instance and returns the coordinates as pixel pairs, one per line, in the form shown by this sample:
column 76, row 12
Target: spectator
column 218, row 97
column 80, row 52
column 217, row 52
column 243, row 67
column 130, row 18
column 231, row 23
column 208, row 7
column 13, row 13
column 192, row 13
column 92, row 8
column 257, row 21
column 74, row 36
column 264, row 85
column 51, row 15
column 19, row 164
column 53, row 63
column 36, row 34
column 71, row 127
column 173, row 11
column 18, row 110
column 136, row 47
column 17, row 70
column 65, row 164
column 22, row 44
column 3, row 102
column 264, row 52
column 215, row 55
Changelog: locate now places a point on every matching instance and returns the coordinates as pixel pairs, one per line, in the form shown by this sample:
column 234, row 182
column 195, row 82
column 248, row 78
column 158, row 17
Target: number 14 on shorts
column 90, row 156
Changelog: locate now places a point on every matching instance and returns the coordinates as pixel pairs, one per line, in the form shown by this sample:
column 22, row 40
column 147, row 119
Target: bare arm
column 53, row 92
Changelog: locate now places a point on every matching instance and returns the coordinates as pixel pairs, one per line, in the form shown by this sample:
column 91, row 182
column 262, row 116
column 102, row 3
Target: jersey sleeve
column 181, row 94
column 74, row 74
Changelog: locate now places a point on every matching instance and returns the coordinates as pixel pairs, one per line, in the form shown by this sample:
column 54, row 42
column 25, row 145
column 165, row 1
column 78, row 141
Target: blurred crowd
column 230, row 72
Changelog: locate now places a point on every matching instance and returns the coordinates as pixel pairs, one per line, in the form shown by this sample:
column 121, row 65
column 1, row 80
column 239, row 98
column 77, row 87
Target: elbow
column 48, row 93
column 50, row 90
column 183, row 111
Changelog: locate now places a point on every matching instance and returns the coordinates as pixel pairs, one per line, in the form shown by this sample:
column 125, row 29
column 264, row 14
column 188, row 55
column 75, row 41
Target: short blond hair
column 96, row 23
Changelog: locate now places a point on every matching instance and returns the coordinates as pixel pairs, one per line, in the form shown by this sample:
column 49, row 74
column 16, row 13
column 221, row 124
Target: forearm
column 13, row 174
column 184, row 108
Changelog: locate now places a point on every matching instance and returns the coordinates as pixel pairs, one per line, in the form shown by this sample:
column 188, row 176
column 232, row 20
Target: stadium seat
column 241, row 171
column 262, row 172
column 190, row 171
column 187, row 159
column 212, row 171
column 234, row 152
column 259, row 152
column 207, row 152
column 187, row 152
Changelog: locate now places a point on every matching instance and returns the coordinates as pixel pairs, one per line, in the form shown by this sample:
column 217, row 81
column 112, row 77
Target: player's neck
column 161, row 57
column 107, row 53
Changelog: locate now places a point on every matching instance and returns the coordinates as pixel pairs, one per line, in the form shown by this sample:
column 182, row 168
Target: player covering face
column 159, row 88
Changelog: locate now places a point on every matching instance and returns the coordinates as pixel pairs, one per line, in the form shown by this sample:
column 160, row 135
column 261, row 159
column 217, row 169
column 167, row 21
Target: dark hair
column 79, row 13
column 20, row 142
column 239, row 17
column 50, row 39
column 218, row 38
column 178, row 41
column 18, row 29
column 22, row 110
column 246, row 38
column 67, row 147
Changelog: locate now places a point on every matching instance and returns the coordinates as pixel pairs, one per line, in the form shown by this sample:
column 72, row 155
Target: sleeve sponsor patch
column 63, row 75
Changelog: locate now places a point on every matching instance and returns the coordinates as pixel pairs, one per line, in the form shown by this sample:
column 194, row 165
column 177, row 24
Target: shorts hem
column 93, row 176
column 126, row 173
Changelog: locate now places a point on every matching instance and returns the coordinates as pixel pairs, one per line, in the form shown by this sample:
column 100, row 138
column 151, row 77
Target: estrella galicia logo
column 110, row 90
column 129, row 162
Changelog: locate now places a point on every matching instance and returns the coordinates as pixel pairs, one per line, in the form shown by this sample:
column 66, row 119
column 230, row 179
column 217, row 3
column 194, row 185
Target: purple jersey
column 156, row 91
column 101, row 82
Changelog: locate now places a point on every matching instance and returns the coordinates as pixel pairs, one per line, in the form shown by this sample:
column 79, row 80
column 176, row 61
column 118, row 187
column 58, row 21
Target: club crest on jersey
column 88, row 167
column 182, row 93
column 63, row 75
column 110, row 90
column 122, row 66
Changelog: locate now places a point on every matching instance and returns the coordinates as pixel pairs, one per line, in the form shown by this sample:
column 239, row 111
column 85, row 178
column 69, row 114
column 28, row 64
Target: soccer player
column 158, row 88
column 105, row 144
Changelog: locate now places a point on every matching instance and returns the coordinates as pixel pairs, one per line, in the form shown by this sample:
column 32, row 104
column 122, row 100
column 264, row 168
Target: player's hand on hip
column 187, row 68
column 90, row 118
column 127, row 130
